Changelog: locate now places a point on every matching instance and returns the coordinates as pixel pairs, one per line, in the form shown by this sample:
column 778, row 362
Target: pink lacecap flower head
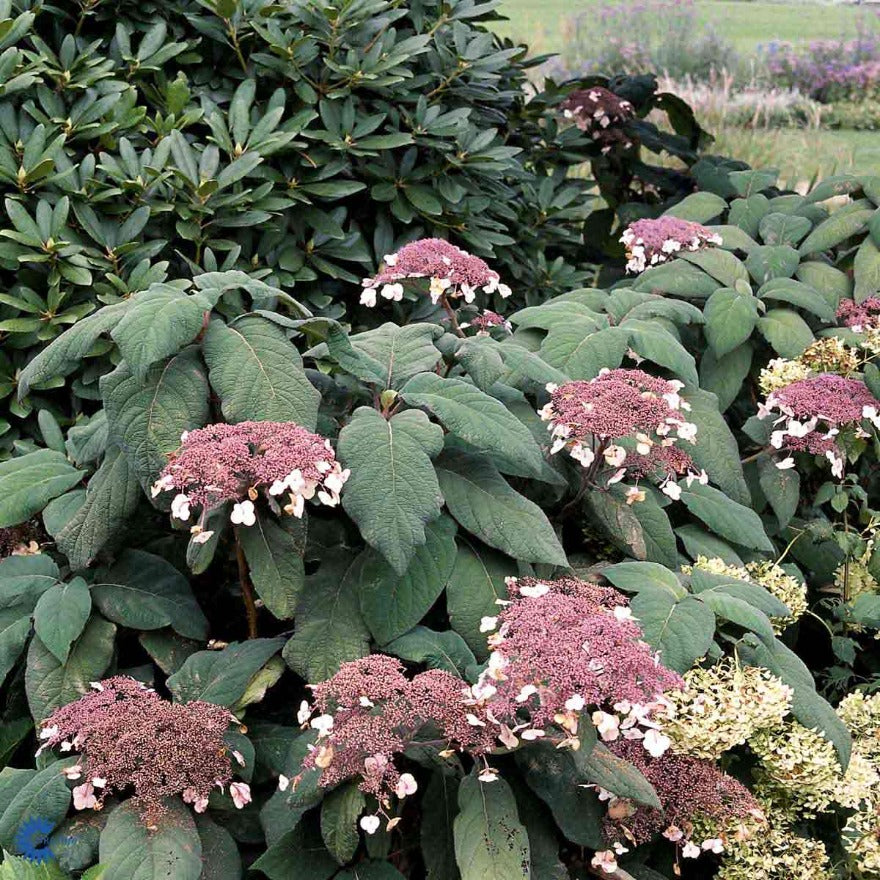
column 449, row 270
column 627, row 421
column 128, row 737
column 860, row 316
column 234, row 463
column 485, row 321
column 650, row 242
column 600, row 113
column 816, row 414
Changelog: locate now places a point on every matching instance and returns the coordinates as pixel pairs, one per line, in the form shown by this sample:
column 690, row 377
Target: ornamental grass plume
column 820, row 415
column 624, row 423
column 790, row 590
column 233, row 463
column 703, row 809
column 129, row 738
column 650, row 242
column 723, row 706
column 561, row 646
column 450, row 271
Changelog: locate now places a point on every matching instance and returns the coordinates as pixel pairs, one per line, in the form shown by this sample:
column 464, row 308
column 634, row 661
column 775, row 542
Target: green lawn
column 540, row 23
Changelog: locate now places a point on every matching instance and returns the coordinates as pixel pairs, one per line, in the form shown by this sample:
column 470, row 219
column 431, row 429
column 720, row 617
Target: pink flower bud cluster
column 600, row 113
column 561, row 646
column 486, row 321
column 128, row 737
column 625, row 423
column 651, row 242
column 818, row 415
column 702, row 807
column 862, row 316
column 222, row 463
column 451, row 272
column 369, row 712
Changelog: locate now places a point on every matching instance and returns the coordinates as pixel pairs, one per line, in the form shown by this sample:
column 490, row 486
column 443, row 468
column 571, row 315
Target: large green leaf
column 439, row 809
column 220, row 856
column 490, row 841
column 580, row 352
column 339, row 817
column 393, row 490
column 806, row 705
column 475, row 417
column 472, row 593
column 781, row 488
column 258, row 373
column 131, row 851
column 392, row 603
column 655, row 343
column 716, row 450
column 146, row 418
column 29, row 482
column 445, row 650
column 159, row 322
column 222, row 677
column 66, row 353
column 111, row 498
column 484, row 503
column 724, row 376
column 726, row 517
column 633, row 577
column 602, row 767
column 50, row 684
column 698, row 207
column 801, row 295
column 786, row 331
column 44, row 795
column 738, row 611
column 866, row 270
column 643, row 530
column 843, row 223
column 61, row 615
column 329, row 627
column 274, row 558
column 681, row 629
column 552, row 774
column 144, row 592
column 730, row 318
column 388, row 355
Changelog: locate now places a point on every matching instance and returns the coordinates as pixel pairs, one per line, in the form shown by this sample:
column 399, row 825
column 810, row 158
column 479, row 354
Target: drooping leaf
column 258, row 374
column 220, row 857
column 601, row 766
column 330, row 629
column 222, row 677
column 50, row 684
column 111, row 498
column 393, row 490
column 274, row 558
column 29, row 482
column 726, row 517
column 681, row 629
column 392, row 604
column 730, row 318
column 146, row 418
column 44, row 795
column 439, row 810
column 438, row 650
column 131, row 851
column 490, row 841
column 61, row 615
column 484, row 503
column 339, row 817
column 145, row 592
column 475, row 417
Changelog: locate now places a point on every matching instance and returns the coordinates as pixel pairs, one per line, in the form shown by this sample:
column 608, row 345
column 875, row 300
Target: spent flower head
column 625, row 423
column 449, row 270
column 129, row 738
column 234, row 463
column 650, row 242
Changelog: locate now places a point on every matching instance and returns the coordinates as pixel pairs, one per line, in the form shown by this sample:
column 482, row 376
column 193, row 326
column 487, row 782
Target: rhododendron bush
column 434, row 571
